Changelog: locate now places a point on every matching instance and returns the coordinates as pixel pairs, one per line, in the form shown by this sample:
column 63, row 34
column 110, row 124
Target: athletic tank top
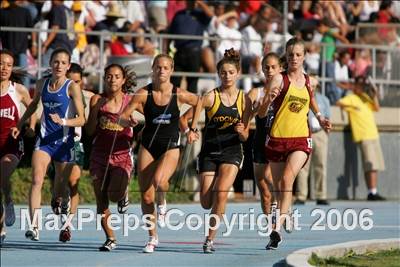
column 220, row 123
column 262, row 125
column 162, row 122
column 291, row 111
column 56, row 102
column 111, row 138
column 9, row 112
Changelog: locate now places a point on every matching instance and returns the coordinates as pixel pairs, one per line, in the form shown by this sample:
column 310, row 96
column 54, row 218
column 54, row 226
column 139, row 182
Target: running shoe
column 161, row 214
column 150, row 245
column 375, row 197
column 109, row 245
column 123, row 204
column 32, row 234
column 322, row 202
column 275, row 240
column 10, row 214
column 65, row 235
column 56, row 205
column 208, row 247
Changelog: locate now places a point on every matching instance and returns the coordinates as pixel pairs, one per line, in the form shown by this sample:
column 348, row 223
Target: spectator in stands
column 96, row 12
column 360, row 107
column 226, row 27
column 385, row 16
column 60, row 18
column 81, row 40
column 364, row 9
column 329, row 37
column 122, row 46
column 252, row 51
column 333, row 12
column 191, row 21
column 135, row 13
column 173, row 7
column 342, row 74
column 317, row 161
column 108, row 24
column 157, row 13
column 17, row 42
column 362, row 61
column 312, row 59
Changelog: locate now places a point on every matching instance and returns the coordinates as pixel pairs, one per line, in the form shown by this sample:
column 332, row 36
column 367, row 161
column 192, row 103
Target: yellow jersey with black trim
column 291, row 119
column 221, row 121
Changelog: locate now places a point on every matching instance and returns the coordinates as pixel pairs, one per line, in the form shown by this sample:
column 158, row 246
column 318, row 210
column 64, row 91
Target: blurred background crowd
column 252, row 27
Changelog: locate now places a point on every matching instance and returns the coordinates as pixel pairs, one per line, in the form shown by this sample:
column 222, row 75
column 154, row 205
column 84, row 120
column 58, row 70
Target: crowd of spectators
column 252, row 27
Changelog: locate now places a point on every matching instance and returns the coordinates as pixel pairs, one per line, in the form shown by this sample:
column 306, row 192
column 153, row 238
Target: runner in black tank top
column 221, row 142
column 221, row 153
column 161, row 131
column 158, row 154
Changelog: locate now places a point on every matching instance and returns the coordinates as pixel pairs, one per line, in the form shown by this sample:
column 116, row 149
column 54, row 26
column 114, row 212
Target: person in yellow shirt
column 360, row 107
column 79, row 26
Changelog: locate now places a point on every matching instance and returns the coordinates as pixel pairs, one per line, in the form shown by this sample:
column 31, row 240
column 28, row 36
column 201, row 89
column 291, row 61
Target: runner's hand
column 15, row 132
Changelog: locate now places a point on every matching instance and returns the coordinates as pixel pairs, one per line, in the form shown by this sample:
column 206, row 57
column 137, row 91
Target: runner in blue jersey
column 62, row 111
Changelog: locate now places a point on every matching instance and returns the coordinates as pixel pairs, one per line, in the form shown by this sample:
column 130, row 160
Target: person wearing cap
column 360, row 107
column 108, row 24
column 81, row 42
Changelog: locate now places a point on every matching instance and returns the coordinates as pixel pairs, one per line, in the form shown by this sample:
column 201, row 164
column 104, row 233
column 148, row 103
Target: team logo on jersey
column 107, row 124
column 296, row 104
column 52, row 105
column 163, row 119
column 8, row 113
column 227, row 120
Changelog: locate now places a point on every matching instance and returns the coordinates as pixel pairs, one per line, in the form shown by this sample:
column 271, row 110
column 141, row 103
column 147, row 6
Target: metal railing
column 392, row 80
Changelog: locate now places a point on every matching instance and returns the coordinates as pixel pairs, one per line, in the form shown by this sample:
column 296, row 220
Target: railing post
column 101, row 62
column 374, row 63
column 285, row 22
column 323, row 70
column 39, row 58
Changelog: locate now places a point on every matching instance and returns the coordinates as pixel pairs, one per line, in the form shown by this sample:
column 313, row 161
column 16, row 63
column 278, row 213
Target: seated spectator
column 361, row 63
column 312, row 58
column 122, row 46
column 342, row 73
column 226, row 27
column 329, row 37
column 96, row 12
column 108, row 24
column 252, row 51
column 157, row 12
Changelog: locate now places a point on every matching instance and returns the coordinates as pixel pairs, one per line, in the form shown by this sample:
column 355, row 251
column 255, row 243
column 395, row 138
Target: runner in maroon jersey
column 111, row 161
column 11, row 150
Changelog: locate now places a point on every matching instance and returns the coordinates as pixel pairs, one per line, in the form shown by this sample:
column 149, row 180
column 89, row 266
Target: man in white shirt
column 342, row 74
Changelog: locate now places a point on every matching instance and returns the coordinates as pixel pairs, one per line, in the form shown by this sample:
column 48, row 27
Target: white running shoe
column 150, row 245
column 161, row 214
column 32, row 234
column 10, row 214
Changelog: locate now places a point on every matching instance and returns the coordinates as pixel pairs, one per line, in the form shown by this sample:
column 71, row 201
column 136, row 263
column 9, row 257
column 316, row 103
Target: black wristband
column 193, row 129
